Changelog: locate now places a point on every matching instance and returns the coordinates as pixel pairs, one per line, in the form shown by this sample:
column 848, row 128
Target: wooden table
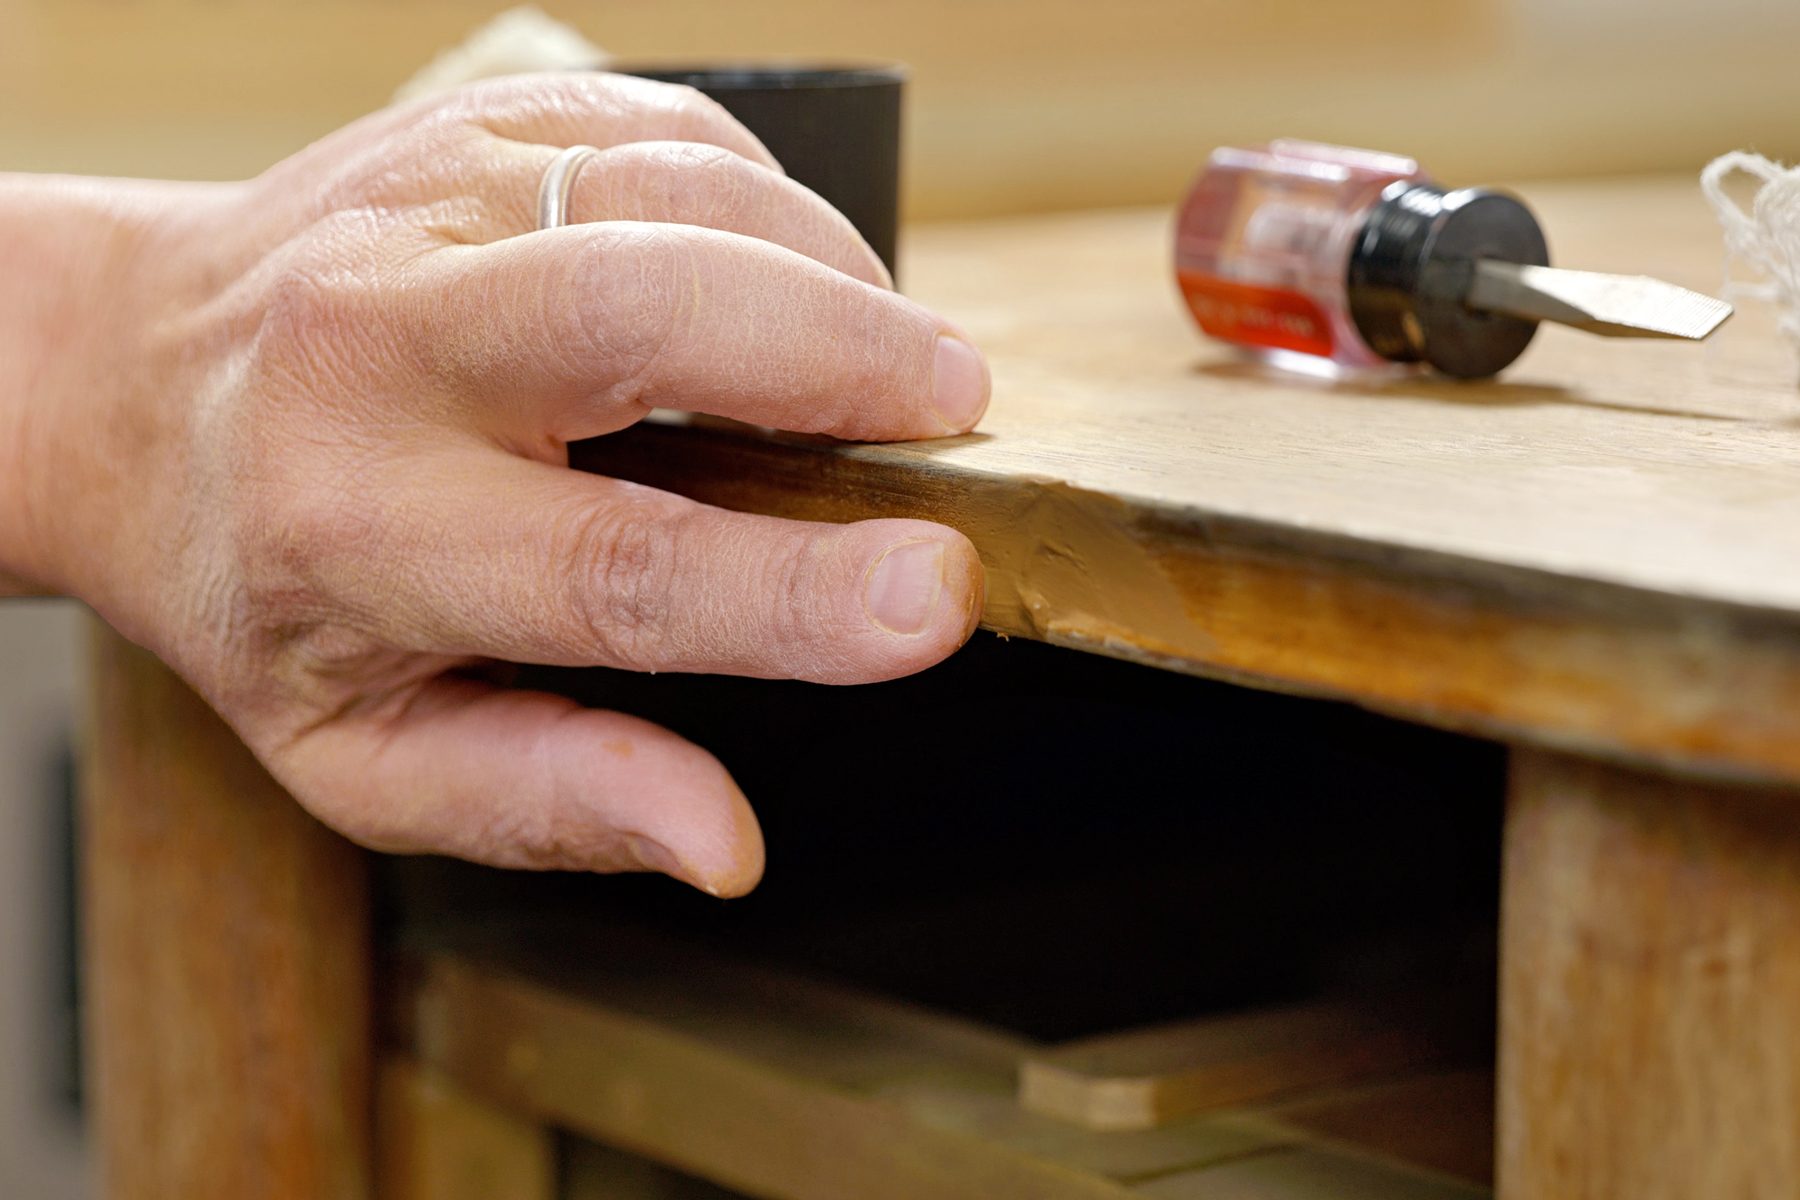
column 1595, row 561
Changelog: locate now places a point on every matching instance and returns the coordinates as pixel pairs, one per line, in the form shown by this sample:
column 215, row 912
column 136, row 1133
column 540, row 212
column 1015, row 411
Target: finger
column 520, row 560
column 564, row 108
column 686, row 183
column 593, row 325
column 527, row 780
column 595, row 108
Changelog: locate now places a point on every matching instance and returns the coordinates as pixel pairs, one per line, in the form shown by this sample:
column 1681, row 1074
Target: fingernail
column 904, row 586
column 959, row 382
column 653, row 856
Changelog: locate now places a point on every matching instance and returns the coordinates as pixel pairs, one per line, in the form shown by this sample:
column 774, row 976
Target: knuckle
column 427, row 158
column 299, row 304
column 700, row 184
column 293, row 539
column 698, row 110
column 445, row 118
column 327, row 281
column 545, row 836
column 798, row 586
column 305, row 508
column 700, row 118
column 295, row 546
column 619, row 575
column 680, row 106
column 635, row 302
column 442, row 158
column 324, row 333
column 313, row 528
column 693, row 158
column 504, row 98
column 559, row 836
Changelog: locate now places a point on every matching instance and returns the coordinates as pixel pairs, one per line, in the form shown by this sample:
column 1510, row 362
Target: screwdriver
column 1358, row 257
column 1609, row 305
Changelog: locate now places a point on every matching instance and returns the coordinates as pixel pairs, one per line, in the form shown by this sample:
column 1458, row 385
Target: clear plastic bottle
column 1264, row 240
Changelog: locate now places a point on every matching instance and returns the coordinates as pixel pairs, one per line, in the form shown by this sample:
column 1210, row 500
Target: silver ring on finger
column 559, row 183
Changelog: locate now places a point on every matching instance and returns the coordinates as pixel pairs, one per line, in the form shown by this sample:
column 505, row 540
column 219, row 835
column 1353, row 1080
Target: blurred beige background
column 1016, row 105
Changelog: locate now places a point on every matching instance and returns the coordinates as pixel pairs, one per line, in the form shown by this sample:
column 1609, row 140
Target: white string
column 1765, row 239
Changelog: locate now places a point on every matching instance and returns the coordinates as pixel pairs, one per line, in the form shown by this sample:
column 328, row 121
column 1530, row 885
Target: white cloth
column 518, row 41
column 1765, row 239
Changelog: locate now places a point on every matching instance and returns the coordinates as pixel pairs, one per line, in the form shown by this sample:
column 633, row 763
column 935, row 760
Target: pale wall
column 1016, row 105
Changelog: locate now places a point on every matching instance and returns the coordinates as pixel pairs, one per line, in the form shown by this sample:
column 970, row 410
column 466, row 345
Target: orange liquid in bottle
column 1263, row 242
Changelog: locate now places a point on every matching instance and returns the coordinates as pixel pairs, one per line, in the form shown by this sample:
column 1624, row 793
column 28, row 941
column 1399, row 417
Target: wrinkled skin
column 305, row 438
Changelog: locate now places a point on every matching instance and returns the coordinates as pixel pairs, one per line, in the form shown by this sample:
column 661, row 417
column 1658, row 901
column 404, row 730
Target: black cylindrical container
column 835, row 129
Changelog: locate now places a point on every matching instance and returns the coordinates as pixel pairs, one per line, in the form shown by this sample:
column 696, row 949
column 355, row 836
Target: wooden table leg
column 1650, row 995
column 227, row 955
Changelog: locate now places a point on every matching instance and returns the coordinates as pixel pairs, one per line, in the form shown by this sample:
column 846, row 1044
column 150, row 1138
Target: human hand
column 305, row 438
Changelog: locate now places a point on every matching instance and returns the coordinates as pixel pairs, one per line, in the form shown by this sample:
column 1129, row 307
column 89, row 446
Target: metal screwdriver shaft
column 1611, row 305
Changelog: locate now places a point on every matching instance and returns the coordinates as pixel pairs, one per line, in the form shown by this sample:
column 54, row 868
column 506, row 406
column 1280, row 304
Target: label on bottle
column 1256, row 316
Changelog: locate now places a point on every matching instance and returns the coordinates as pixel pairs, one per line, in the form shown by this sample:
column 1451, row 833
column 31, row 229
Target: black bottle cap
column 1412, row 266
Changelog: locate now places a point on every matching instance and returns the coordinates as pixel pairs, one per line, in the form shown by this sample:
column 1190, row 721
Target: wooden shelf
column 780, row 1086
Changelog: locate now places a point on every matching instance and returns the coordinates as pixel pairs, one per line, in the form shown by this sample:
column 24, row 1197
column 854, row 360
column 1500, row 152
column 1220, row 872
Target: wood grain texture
column 709, row 1110
column 779, row 1086
column 227, row 958
column 1650, row 1005
column 1142, row 1078
column 435, row 1141
column 1600, row 551
column 768, row 1084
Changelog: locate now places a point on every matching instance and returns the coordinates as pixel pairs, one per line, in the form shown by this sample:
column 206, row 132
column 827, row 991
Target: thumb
column 528, row 780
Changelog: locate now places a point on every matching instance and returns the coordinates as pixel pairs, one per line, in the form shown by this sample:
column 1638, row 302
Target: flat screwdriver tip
column 1610, row 305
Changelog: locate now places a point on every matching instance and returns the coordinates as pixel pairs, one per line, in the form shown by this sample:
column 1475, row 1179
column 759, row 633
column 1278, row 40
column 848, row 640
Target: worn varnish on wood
column 1142, row 1078
column 226, row 957
column 1650, row 1029
column 1600, row 550
column 778, row 1086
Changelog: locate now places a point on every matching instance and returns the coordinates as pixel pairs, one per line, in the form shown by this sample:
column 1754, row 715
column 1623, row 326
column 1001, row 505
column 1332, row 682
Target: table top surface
column 1601, row 548
column 1637, row 462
